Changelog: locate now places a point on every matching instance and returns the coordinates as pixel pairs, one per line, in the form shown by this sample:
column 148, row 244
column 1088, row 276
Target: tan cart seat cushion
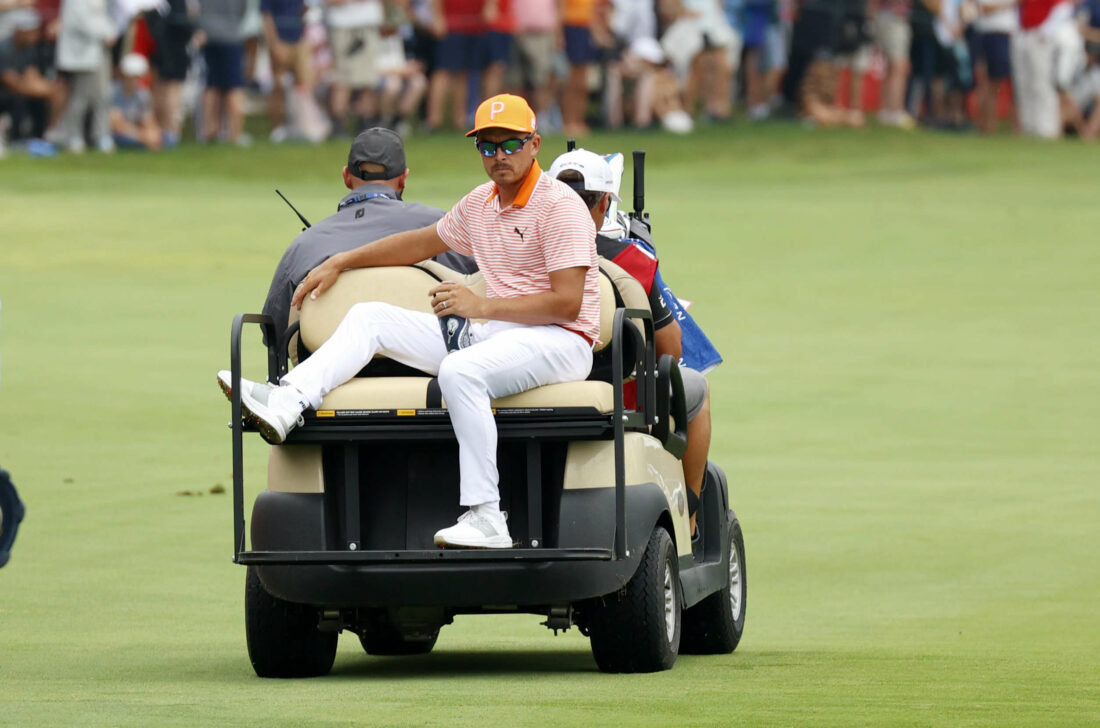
column 399, row 393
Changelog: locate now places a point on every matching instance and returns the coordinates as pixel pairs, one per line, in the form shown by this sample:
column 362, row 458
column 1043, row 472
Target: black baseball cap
column 381, row 146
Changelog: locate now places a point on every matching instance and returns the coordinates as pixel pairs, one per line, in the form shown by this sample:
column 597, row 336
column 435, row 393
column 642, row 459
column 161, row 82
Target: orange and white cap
column 504, row 111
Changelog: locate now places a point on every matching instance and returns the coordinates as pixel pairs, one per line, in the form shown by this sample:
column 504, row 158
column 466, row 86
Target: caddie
column 533, row 240
column 374, row 207
column 591, row 177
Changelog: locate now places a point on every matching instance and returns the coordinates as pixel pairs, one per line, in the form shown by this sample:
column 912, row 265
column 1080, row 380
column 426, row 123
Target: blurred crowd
column 138, row 73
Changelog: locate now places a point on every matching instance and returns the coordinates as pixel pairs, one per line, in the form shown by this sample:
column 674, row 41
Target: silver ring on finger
column 445, row 304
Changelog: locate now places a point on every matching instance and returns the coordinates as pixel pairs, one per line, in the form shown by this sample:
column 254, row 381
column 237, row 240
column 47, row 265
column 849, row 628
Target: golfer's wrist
column 340, row 262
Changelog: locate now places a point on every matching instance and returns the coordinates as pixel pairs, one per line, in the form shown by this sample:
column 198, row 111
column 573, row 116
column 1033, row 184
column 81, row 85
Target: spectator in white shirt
column 86, row 34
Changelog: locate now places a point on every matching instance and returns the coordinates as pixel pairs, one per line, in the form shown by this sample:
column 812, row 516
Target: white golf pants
column 505, row 358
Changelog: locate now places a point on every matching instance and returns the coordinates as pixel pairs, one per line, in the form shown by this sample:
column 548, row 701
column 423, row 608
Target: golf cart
column 342, row 537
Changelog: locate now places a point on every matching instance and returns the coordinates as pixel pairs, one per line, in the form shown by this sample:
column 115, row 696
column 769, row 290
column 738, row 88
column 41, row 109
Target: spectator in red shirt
column 499, row 45
column 460, row 36
column 1033, row 58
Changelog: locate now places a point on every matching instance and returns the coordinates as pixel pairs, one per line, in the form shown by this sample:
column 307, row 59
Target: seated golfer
column 533, row 240
column 590, row 175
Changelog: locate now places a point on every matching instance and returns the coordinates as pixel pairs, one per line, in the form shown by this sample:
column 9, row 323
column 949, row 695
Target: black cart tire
column 637, row 629
column 283, row 639
column 383, row 639
column 714, row 626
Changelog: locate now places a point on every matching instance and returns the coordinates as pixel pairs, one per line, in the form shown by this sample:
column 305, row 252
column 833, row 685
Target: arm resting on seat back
column 404, row 248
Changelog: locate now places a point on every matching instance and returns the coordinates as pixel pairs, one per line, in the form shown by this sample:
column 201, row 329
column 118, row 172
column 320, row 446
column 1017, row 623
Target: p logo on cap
column 505, row 111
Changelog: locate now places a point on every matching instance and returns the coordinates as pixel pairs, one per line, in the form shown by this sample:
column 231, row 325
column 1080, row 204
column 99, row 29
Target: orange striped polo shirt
column 546, row 228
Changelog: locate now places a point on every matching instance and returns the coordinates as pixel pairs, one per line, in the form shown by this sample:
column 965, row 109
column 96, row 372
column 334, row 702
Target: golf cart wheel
column 283, row 639
column 637, row 629
column 714, row 626
column 383, row 639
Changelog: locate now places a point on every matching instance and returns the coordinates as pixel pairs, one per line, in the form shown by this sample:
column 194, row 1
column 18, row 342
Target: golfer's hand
column 319, row 280
column 450, row 298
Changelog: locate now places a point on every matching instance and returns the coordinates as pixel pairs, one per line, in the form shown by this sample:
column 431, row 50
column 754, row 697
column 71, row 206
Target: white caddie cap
column 597, row 173
column 134, row 64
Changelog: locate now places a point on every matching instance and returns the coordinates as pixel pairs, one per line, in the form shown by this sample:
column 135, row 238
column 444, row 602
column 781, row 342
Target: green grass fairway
column 909, row 413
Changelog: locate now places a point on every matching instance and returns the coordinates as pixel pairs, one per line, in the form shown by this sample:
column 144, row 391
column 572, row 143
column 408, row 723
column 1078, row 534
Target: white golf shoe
column 476, row 530
column 274, row 410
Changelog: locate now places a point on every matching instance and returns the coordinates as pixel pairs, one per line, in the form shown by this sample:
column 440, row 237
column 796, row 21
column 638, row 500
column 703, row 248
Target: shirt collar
column 526, row 189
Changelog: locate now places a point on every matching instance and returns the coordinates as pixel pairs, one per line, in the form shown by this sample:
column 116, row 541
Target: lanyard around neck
column 361, row 198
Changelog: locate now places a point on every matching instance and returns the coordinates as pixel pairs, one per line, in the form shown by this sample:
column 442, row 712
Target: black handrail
column 267, row 326
column 619, row 423
column 283, row 352
column 671, row 406
column 646, row 394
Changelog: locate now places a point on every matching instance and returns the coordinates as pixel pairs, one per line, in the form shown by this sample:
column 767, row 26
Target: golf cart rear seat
column 387, row 398
column 408, row 287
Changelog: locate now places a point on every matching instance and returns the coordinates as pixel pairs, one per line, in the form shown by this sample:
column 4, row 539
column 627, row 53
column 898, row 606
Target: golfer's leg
column 410, row 337
column 511, row 361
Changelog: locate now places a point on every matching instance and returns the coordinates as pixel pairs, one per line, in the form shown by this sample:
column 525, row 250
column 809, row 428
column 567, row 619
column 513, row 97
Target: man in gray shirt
column 375, row 175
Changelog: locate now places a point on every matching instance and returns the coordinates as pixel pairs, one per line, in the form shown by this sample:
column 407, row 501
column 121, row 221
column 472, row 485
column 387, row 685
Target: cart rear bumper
column 448, row 582
column 296, row 564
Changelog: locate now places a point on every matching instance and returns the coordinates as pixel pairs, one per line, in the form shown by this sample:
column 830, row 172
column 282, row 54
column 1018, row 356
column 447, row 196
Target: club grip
column 639, row 181
column 570, row 144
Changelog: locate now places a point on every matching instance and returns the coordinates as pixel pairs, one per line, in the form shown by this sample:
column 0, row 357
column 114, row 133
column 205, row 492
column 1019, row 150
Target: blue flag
column 698, row 352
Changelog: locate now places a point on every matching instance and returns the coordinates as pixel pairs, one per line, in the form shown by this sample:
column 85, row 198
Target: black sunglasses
column 508, row 146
